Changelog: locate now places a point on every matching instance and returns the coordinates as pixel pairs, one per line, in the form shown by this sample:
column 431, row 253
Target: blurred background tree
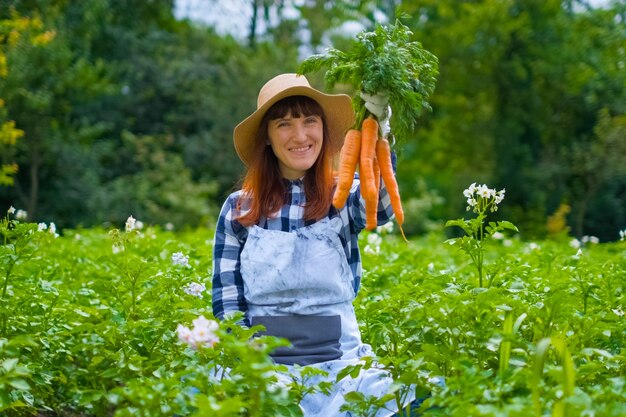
column 129, row 108
column 15, row 31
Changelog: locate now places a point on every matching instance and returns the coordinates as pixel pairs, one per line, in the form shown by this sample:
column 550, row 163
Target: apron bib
column 299, row 286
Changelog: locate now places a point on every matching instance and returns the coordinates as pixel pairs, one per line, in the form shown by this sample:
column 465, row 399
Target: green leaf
column 508, row 225
column 20, row 384
column 462, row 223
column 9, row 364
column 354, row 396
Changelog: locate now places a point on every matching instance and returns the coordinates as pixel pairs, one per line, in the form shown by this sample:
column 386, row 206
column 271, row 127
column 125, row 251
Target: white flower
column 201, row 335
column 385, row 228
column 116, row 248
column 480, row 196
column 53, row 230
column 41, row 227
column 578, row 254
column 469, row 192
column 533, row 246
column 485, row 192
column 184, row 333
column 373, row 244
column 498, row 235
column 575, row 243
column 589, row 239
column 169, row 226
column 622, row 234
column 138, row 225
column 203, row 331
column 371, row 250
column 500, row 196
column 21, row 214
column 202, row 321
column 11, row 210
column 130, row 223
column 195, row 288
column 179, row 258
column 374, row 239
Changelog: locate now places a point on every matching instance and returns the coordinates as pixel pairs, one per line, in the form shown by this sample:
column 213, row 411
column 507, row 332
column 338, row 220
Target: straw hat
column 337, row 109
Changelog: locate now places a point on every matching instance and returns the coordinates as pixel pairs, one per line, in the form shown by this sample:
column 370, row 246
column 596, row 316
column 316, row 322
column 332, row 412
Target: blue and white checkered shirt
column 230, row 238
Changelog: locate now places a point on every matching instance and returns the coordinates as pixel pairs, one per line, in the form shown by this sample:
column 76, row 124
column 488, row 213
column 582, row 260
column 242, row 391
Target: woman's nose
column 300, row 132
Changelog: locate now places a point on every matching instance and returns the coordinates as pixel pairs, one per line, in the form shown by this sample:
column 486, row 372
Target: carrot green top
column 385, row 60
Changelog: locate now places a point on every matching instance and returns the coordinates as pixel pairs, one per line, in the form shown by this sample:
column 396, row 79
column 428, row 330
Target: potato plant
column 92, row 323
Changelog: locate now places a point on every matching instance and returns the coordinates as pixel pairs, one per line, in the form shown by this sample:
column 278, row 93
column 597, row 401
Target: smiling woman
column 285, row 257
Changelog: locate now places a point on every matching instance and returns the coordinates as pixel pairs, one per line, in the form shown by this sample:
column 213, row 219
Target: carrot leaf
column 385, row 60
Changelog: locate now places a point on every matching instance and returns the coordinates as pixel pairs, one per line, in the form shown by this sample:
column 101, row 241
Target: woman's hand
column 378, row 105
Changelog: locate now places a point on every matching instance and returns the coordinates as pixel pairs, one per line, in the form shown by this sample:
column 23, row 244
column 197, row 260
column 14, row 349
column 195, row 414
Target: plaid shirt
column 230, row 238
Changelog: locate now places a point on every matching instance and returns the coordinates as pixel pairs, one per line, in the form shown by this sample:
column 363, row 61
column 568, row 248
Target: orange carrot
column 348, row 159
column 383, row 154
column 369, row 136
column 376, row 169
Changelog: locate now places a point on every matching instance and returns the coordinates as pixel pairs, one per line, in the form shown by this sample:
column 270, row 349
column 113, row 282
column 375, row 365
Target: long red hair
column 264, row 189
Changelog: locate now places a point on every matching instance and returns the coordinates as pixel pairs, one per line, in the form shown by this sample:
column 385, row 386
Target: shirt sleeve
column 356, row 201
column 228, row 291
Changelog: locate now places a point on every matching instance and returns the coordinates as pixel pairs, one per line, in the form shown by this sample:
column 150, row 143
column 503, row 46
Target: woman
column 283, row 255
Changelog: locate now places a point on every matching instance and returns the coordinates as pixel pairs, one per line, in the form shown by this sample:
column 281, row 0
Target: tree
column 47, row 79
column 14, row 32
column 520, row 82
column 594, row 164
column 107, row 77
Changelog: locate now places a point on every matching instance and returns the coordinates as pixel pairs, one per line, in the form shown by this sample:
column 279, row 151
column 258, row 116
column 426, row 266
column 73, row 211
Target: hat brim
column 337, row 110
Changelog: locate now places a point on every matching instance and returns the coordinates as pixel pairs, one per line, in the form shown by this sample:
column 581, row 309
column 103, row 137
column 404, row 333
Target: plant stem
column 6, row 280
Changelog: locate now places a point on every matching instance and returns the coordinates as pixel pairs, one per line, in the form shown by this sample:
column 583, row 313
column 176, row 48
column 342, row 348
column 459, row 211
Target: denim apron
column 299, row 286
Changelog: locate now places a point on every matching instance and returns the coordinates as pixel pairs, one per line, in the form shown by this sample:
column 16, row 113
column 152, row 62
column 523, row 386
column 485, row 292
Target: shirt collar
column 297, row 182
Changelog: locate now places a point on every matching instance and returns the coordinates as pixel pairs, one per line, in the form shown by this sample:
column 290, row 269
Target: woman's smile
column 301, row 149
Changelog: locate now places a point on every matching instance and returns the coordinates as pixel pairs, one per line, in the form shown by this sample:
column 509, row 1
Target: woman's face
column 296, row 142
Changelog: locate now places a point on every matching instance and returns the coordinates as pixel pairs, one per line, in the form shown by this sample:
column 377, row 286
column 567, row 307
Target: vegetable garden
column 101, row 322
column 478, row 320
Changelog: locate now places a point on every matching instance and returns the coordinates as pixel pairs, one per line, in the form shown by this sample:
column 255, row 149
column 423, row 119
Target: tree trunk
column 35, row 163
column 253, row 22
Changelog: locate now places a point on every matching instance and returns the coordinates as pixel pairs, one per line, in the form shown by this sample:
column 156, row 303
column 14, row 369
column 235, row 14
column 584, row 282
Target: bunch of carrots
column 371, row 152
column 386, row 59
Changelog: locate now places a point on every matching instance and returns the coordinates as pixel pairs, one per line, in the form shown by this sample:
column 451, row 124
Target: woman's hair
column 263, row 185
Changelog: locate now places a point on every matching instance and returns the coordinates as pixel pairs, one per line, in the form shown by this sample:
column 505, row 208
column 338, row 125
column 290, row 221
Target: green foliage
column 384, row 61
column 14, row 32
column 90, row 318
column 567, row 381
column 43, row 105
column 120, row 71
column 529, row 94
column 419, row 307
column 520, row 83
column 420, row 209
column 595, row 163
column 157, row 185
